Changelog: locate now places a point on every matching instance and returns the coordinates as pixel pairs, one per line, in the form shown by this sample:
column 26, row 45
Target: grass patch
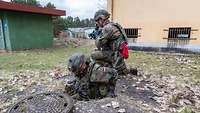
column 38, row 59
column 159, row 65
column 48, row 59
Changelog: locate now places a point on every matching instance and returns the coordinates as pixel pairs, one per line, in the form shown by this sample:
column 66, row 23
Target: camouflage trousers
column 111, row 59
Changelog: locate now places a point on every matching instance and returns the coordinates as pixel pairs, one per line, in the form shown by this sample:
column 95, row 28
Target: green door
column 2, row 43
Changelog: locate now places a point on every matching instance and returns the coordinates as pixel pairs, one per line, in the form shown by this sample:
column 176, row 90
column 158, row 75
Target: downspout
column 6, row 32
column 4, row 35
column 112, row 8
column 3, row 31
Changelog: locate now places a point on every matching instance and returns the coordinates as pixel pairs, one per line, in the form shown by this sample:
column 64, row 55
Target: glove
column 70, row 88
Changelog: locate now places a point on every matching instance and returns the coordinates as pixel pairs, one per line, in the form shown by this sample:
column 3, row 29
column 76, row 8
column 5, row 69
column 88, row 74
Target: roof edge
column 30, row 9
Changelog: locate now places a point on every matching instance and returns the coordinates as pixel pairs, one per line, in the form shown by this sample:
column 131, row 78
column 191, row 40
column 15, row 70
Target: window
column 131, row 32
column 179, row 33
column 178, row 36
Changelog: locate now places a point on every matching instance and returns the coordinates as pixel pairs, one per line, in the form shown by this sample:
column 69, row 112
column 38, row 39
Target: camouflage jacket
column 111, row 37
column 95, row 83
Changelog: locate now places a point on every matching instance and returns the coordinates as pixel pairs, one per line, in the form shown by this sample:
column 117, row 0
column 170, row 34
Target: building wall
column 153, row 16
column 28, row 31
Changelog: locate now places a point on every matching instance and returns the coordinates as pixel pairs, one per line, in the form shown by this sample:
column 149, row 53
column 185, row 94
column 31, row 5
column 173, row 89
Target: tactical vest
column 117, row 41
column 99, row 80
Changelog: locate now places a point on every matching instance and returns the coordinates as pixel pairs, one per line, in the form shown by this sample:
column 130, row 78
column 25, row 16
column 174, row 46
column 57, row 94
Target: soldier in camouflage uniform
column 110, row 43
column 92, row 80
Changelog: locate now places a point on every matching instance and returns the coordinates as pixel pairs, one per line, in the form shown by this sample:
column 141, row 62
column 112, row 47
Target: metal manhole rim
column 68, row 98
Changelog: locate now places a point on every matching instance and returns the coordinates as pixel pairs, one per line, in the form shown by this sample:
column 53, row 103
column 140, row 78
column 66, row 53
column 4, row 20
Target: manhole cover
column 49, row 102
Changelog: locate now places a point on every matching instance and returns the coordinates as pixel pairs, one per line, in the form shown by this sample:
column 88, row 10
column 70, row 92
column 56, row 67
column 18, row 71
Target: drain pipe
column 112, row 8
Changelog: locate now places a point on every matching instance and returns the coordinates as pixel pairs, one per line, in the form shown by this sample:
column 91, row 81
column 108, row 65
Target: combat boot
column 133, row 71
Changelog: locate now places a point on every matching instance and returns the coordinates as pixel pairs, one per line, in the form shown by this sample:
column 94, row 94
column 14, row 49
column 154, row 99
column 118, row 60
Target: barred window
column 179, row 32
column 131, row 32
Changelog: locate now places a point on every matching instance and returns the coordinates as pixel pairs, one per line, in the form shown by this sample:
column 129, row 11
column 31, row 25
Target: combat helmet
column 76, row 61
column 101, row 14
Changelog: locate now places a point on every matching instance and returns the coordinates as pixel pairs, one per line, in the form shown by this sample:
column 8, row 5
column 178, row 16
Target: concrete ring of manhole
column 48, row 102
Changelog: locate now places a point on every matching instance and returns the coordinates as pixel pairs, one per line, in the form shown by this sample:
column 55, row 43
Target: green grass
column 162, row 65
column 50, row 58
column 38, row 59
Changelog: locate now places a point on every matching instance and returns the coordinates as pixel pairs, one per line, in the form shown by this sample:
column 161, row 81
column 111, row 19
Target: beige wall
column 153, row 16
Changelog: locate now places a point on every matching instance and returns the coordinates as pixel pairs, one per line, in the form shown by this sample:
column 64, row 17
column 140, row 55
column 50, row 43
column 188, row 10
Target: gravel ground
column 170, row 84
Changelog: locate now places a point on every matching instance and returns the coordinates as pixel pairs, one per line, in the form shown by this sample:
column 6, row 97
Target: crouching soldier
column 92, row 80
column 111, row 43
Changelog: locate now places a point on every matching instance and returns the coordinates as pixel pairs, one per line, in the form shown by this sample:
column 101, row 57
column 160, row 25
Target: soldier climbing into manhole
column 93, row 81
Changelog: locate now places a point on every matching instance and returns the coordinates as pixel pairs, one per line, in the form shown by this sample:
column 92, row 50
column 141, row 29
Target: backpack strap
column 121, row 30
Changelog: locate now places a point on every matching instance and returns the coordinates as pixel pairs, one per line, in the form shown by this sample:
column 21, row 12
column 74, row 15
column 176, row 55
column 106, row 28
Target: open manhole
column 49, row 102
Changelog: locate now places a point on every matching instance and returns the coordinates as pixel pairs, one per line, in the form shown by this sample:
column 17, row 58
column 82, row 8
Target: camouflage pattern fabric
column 109, row 45
column 102, row 74
column 101, row 14
column 83, row 88
column 110, row 59
column 96, row 83
column 111, row 38
column 75, row 62
column 105, row 56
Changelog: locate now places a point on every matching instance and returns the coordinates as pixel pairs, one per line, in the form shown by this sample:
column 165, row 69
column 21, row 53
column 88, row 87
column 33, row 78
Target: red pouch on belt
column 124, row 51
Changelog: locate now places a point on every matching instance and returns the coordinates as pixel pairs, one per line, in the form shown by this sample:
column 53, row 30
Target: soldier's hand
column 76, row 97
column 96, row 49
column 70, row 90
